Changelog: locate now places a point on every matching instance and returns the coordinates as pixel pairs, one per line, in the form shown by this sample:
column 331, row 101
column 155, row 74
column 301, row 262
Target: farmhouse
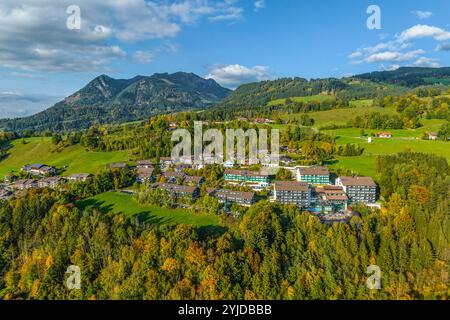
column 359, row 189
column 384, row 135
column 38, row 169
column 79, row 177
column 314, row 175
column 292, row 193
column 229, row 196
column 432, row 136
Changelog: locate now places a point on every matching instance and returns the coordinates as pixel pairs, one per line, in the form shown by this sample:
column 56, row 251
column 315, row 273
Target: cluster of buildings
column 312, row 190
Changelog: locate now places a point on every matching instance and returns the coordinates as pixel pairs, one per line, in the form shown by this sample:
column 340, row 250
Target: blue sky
column 232, row 41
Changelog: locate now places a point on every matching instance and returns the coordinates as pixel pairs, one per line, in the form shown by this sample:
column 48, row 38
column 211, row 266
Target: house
column 194, row 180
column 359, row 189
column 180, row 191
column 314, row 175
column 173, row 126
column 292, row 193
column 24, row 184
column 51, row 182
column 118, row 166
column 229, row 196
column 432, row 136
column 38, row 169
column 79, row 177
column 165, row 161
column 145, row 174
column 173, row 177
column 144, row 164
column 384, row 135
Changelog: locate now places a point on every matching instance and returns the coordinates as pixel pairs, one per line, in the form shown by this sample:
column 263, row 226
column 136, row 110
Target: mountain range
column 108, row 100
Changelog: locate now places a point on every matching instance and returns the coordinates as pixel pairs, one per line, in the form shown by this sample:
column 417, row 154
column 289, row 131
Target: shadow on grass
column 144, row 216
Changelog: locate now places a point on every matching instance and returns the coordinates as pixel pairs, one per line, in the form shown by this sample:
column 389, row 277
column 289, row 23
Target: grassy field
column 402, row 140
column 301, row 99
column 76, row 158
column 125, row 204
column 341, row 116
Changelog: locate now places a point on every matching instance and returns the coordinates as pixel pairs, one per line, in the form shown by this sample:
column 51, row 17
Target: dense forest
column 272, row 252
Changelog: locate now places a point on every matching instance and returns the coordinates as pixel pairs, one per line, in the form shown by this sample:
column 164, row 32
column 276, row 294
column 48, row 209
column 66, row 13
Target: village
column 313, row 189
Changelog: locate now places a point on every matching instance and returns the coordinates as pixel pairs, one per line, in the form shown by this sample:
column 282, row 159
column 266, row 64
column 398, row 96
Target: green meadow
column 75, row 158
column 301, row 99
column 402, row 140
column 120, row 203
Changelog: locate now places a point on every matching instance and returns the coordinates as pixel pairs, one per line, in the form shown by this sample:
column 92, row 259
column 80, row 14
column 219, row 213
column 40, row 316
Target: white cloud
column 422, row 14
column 426, row 62
column 394, row 56
column 424, row 31
column 143, row 57
column 356, row 54
column 391, row 67
column 34, row 35
column 234, row 75
column 16, row 104
column 259, row 4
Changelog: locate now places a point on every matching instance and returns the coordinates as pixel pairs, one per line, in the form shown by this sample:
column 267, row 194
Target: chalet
column 314, row 175
column 229, row 196
column 118, row 166
column 145, row 174
column 384, row 135
column 38, row 169
column 359, row 189
column 292, row 193
column 180, row 191
column 24, row 184
column 432, row 136
column 144, row 164
column 79, row 177
column 51, row 182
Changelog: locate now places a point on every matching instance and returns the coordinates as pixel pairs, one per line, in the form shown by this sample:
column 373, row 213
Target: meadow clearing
column 75, row 158
column 121, row 203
